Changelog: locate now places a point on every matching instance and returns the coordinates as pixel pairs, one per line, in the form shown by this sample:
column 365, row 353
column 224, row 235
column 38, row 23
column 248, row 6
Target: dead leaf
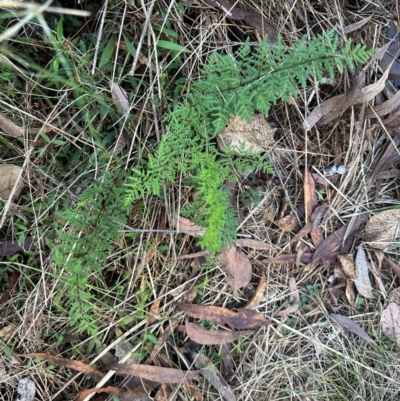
column 352, row 326
column 384, row 108
column 334, row 291
column 263, row 25
column 302, row 233
column 390, row 321
column 227, row 357
column 254, row 244
column 390, row 57
column 120, row 98
column 26, row 389
column 68, row 363
column 153, row 373
column 209, row 371
column 387, row 157
column 289, row 258
column 240, row 136
column 206, row 337
column 287, row 223
column 9, row 248
column 9, row 176
column 358, row 94
column 107, row 390
column 242, row 320
column 383, row 229
column 154, row 311
column 294, row 299
column 256, row 299
column 362, row 281
column 330, row 247
column 9, row 127
column 348, row 266
column 393, row 266
column 7, row 331
column 184, row 225
column 310, row 194
column 357, row 25
column 237, row 267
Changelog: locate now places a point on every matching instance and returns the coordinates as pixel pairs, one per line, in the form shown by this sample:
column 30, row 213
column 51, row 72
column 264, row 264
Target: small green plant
column 241, row 84
column 84, row 242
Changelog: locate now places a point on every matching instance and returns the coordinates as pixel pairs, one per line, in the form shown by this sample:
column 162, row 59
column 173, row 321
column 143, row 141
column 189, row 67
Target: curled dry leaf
column 237, row 267
column 9, row 176
column 256, row 298
column 289, row 258
column 294, row 299
column 263, row 25
column 242, row 320
column 383, row 229
column 352, row 326
column 362, row 281
column 254, row 244
column 120, row 98
column 107, row 390
column 9, row 127
column 310, row 194
column 153, row 373
column 184, row 225
column 346, row 262
column 69, row 363
column 216, row 337
column 241, row 136
column 358, row 94
column 209, row 371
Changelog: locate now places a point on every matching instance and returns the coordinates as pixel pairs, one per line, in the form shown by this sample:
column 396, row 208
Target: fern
column 83, row 246
column 249, row 81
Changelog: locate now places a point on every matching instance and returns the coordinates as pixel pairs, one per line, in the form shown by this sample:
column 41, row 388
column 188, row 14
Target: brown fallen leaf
column 242, row 137
column 153, row 373
column 330, row 247
column 383, row 229
column 302, row 233
column 9, row 176
column 153, row 315
column 227, row 357
column 289, row 258
column 384, row 108
column 184, row 225
column 9, row 248
column 254, row 244
column 352, row 326
column 107, row 390
column 334, row 291
column 390, row 321
column 263, row 25
column 391, row 56
column 393, row 266
column 294, row 299
column 237, row 267
column 12, row 286
column 348, row 266
column 216, row 337
column 9, row 127
column 310, row 194
column 256, row 298
column 209, row 371
column 243, row 319
column 357, row 25
column 287, row 223
column 387, row 157
column 358, row 94
column 68, row 363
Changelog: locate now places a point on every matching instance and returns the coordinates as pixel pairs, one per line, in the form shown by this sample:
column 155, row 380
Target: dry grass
column 301, row 357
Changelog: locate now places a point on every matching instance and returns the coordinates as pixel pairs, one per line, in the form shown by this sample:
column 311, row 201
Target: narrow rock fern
column 250, row 80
